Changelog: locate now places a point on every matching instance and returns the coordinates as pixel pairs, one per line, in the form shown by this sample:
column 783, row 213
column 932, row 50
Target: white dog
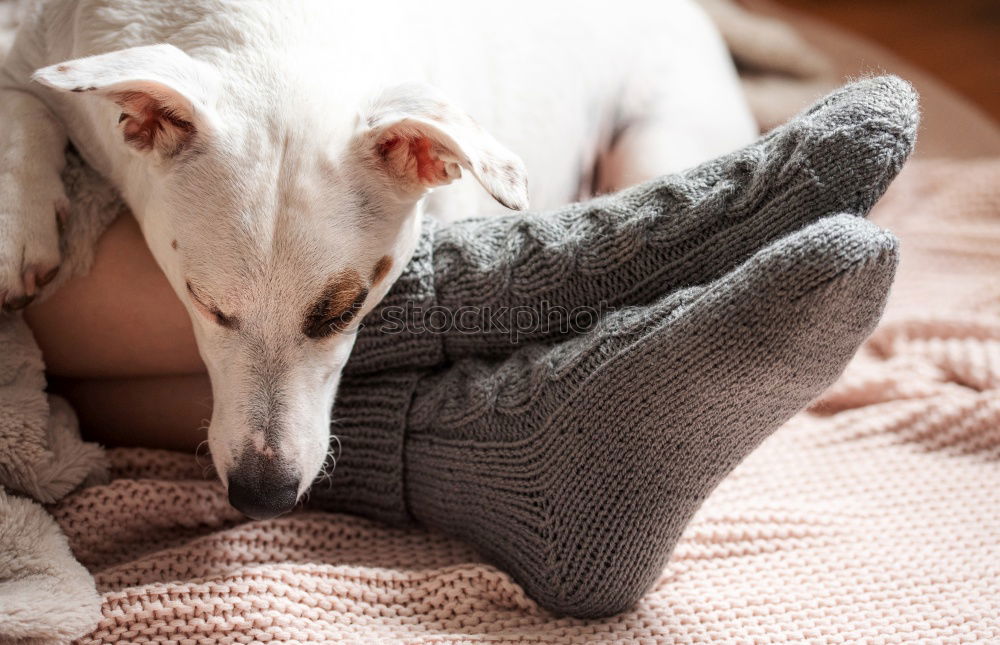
column 279, row 155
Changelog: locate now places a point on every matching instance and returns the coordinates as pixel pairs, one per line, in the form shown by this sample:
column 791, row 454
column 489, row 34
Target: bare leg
column 120, row 320
column 673, row 115
column 118, row 344
column 649, row 149
column 168, row 412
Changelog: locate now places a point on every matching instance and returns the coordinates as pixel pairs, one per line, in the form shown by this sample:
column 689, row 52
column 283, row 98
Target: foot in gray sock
column 531, row 273
column 576, row 466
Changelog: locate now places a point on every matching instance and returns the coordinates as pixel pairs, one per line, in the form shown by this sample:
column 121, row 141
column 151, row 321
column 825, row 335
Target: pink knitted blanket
column 873, row 517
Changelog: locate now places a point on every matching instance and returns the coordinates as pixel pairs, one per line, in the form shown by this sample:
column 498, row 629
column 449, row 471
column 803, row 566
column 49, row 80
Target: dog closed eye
column 337, row 306
column 210, row 311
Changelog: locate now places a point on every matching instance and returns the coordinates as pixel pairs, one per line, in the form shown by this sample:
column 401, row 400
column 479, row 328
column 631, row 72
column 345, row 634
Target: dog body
column 279, row 156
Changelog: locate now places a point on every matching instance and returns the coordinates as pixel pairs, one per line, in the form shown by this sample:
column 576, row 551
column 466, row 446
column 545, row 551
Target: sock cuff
column 393, row 335
column 369, row 426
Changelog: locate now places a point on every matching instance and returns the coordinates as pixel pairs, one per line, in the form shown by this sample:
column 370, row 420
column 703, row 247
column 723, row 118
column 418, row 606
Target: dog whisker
column 208, row 469
column 330, row 464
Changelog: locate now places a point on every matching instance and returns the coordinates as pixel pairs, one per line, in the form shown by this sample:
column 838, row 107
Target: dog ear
column 163, row 93
column 418, row 140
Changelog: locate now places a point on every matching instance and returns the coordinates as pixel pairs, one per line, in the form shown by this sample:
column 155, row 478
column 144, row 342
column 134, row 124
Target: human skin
column 118, row 345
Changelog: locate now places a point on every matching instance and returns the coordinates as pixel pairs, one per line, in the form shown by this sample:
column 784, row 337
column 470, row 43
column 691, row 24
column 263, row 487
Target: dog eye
column 212, row 312
column 320, row 324
column 317, row 327
column 222, row 319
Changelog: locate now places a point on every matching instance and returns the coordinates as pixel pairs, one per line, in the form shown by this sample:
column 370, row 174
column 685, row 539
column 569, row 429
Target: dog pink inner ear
column 419, row 141
column 415, row 159
column 151, row 122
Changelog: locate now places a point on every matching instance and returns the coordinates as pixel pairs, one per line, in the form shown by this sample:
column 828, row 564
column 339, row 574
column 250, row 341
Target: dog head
column 280, row 222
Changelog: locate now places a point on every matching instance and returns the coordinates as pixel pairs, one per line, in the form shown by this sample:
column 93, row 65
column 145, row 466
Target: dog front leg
column 32, row 201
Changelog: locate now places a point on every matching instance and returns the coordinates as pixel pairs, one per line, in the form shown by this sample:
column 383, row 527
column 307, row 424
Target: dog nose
column 262, row 498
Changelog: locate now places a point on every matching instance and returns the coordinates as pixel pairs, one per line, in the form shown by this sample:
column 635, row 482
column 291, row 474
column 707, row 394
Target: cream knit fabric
column 875, row 517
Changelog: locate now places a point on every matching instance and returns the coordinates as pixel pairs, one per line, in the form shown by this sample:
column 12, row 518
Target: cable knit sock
column 576, row 466
column 524, row 278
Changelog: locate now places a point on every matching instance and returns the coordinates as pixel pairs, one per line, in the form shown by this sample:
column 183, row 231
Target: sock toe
column 840, row 155
column 855, row 141
column 889, row 99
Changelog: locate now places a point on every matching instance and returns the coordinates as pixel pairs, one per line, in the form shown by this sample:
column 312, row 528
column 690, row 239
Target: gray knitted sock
column 514, row 279
column 575, row 466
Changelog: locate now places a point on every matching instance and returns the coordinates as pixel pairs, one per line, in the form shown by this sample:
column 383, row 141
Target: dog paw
column 31, row 218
